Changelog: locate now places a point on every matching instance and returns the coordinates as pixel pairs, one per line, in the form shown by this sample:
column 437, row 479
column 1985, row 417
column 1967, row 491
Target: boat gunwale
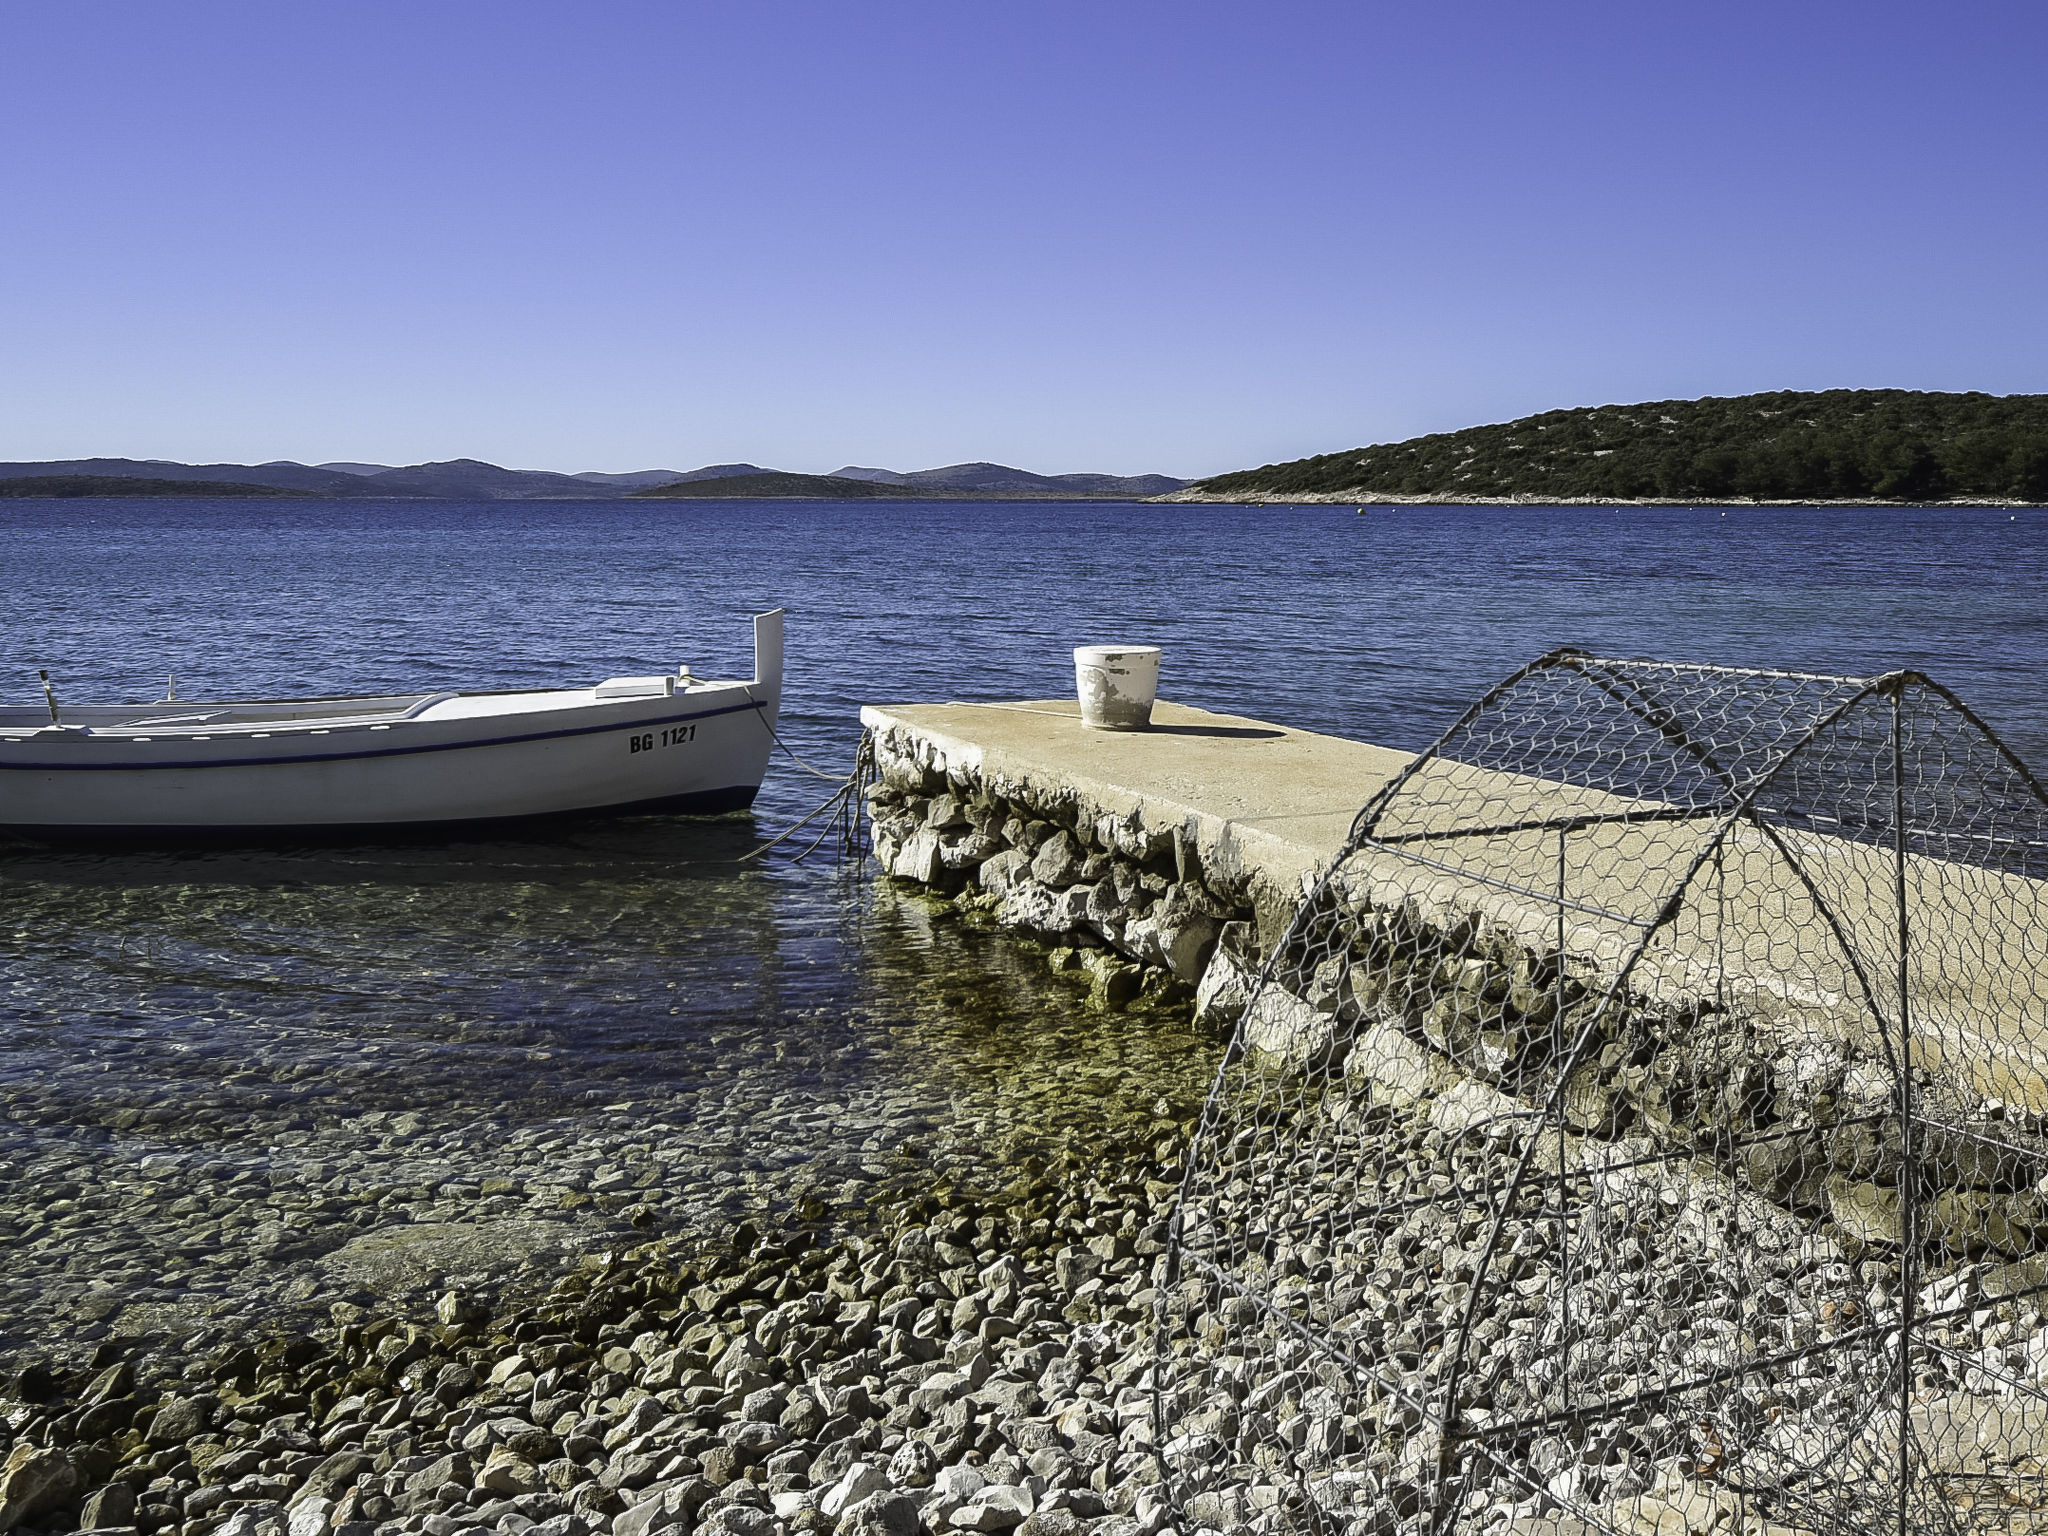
column 238, row 734
column 399, row 702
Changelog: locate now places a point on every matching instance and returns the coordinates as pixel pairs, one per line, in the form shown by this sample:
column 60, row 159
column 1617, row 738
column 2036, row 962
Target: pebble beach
column 242, row 1307
column 946, row 1361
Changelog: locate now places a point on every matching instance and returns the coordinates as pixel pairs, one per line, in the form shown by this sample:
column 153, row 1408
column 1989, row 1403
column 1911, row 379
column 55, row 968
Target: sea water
column 261, row 1082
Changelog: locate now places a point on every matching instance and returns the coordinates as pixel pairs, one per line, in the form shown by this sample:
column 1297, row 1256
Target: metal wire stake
column 1545, row 1167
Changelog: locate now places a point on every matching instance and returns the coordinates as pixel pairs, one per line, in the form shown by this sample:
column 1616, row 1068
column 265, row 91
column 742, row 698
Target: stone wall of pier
column 1409, row 1005
column 1130, row 903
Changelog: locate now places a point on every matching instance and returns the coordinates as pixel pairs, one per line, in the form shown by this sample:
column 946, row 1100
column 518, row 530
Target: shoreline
column 1380, row 499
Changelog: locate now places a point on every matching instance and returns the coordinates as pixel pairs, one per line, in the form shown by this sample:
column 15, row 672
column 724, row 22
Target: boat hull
column 482, row 763
column 333, row 834
column 700, row 761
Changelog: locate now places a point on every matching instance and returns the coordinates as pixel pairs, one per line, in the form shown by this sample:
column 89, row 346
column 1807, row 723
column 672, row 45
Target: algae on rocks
column 1054, row 867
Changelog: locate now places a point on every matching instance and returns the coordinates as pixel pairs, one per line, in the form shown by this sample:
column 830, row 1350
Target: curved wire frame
column 1644, row 1118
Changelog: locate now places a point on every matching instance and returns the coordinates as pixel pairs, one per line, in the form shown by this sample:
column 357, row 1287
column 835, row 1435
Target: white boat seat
column 636, row 687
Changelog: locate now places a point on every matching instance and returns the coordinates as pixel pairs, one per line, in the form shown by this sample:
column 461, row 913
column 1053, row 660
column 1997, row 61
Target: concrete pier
column 1252, row 810
column 1262, row 805
column 1175, row 856
column 1681, row 1017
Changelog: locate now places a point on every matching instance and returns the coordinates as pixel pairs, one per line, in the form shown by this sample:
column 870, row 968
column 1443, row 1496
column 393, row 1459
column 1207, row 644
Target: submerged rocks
column 32, row 1480
column 1061, row 872
column 875, row 1376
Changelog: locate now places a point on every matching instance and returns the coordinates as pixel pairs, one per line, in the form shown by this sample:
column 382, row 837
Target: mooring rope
column 761, row 709
column 846, row 801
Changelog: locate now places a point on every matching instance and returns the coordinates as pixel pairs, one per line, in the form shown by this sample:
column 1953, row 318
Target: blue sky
column 1109, row 236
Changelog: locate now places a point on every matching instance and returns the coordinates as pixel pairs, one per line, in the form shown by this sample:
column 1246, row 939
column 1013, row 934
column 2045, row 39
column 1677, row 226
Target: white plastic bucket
column 1117, row 684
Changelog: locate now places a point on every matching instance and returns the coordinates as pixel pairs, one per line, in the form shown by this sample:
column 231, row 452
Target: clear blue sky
column 1179, row 236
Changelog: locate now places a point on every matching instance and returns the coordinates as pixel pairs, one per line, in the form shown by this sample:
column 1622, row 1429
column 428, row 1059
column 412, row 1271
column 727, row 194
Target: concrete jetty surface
column 1263, row 802
column 1263, row 807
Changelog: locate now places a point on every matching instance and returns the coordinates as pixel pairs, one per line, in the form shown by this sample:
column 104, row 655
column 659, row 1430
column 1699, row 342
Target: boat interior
column 178, row 717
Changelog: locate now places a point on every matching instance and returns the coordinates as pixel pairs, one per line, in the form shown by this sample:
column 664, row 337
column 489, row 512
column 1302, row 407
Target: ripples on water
column 186, row 1037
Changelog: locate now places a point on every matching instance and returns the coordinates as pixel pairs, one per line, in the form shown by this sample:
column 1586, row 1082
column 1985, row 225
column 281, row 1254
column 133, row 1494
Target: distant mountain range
column 775, row 484
column 1001, row 480
column 72, row 487
column 474, row 480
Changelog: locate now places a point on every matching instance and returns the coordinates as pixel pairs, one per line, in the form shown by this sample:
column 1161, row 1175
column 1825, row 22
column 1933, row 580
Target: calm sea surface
column 1378, row 626
column 184, row 1035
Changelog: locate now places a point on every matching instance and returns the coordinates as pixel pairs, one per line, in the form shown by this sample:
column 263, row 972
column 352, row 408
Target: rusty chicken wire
column 1640, row 1127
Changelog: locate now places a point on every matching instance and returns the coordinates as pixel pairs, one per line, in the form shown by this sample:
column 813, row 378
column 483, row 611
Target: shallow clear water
column 205, row 1055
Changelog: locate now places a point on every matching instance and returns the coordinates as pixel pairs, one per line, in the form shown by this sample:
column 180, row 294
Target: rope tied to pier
column 761, row 709
column 844, row 804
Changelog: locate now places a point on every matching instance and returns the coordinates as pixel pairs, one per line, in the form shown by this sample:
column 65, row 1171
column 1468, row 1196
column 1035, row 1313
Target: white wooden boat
column 186, row 768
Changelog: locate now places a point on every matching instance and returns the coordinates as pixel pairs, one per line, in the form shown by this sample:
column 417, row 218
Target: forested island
column 979, row 481
column 779, row 485
column 1889, row 445
column 72, row 486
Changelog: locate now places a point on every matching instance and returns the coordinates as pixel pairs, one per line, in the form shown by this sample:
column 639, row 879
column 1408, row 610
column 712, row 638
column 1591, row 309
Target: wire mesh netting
column 1642, row 1126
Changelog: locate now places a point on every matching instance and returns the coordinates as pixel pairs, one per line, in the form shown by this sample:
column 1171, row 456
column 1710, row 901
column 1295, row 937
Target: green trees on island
column 1837, row 444
column 70, row 487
